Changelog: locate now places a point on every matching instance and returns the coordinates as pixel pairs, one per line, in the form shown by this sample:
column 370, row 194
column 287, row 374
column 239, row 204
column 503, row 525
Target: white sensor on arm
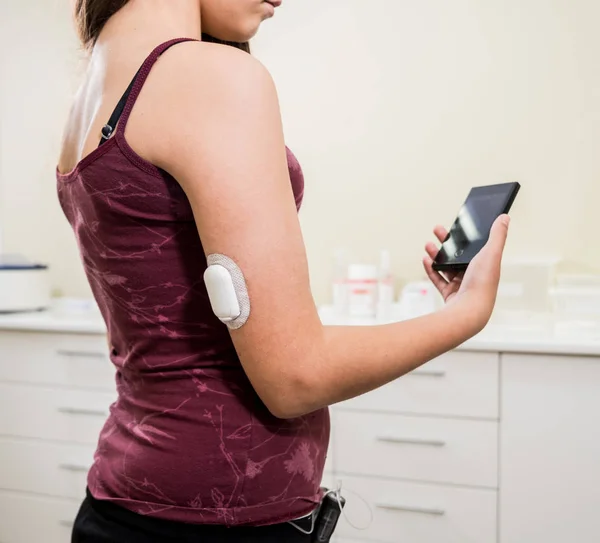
column 221, row 292
column 227, row 291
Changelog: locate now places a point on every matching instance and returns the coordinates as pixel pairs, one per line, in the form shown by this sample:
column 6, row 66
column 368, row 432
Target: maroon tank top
column 188, row 439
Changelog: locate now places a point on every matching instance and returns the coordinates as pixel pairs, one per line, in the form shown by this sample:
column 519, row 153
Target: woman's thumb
column 499, row 233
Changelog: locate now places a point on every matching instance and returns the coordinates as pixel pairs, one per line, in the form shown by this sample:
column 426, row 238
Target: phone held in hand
column 472, row 226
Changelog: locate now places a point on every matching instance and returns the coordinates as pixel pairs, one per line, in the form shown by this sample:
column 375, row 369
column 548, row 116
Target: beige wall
column 395, row 109
column 40, row 63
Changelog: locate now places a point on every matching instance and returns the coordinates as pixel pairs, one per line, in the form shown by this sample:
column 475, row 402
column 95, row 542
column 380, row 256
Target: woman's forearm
column 351, row 360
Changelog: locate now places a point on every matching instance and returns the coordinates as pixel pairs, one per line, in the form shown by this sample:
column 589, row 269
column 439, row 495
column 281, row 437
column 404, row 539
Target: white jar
column 340, row 287
column 362, row 290
column 418, row 299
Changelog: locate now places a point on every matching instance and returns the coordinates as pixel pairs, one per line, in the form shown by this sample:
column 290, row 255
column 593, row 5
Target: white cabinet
column 56, row 359
column 55, row 394
column 45, row 468
column 471, row 445
column 33, row 519
column 550, row 449
column 53, row 414
column 457, row 384
column 461, row 452
column 420, row 513
column 422, row 455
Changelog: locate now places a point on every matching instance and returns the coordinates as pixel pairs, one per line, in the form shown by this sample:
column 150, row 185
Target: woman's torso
column 188, row 438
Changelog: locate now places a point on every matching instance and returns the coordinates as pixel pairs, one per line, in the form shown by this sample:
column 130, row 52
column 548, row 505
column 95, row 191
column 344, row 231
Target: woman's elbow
column 292, row 398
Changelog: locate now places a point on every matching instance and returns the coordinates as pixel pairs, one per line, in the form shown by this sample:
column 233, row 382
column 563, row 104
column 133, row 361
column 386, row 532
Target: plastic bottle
column 385, row 288
column 340, row 286
column 362, row 290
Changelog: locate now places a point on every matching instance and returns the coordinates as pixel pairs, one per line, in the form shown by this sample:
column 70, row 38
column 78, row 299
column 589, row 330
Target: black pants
column 102, row 522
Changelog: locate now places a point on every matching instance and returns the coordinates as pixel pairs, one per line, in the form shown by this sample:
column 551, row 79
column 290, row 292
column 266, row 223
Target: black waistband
column 120, row 516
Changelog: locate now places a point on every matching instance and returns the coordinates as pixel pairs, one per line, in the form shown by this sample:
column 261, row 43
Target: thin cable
column 338, row 493
column 312, row 523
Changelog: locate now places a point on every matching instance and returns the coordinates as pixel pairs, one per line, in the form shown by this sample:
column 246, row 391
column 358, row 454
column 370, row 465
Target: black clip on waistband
column 323, row 520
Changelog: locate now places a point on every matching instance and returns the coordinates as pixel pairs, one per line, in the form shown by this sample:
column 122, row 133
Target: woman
column 218, row 434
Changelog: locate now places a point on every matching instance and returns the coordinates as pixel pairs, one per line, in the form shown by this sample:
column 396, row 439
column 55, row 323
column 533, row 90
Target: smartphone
column 472, row 226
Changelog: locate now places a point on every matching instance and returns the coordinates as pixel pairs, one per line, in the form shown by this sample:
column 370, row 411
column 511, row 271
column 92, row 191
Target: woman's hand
column 474, row 290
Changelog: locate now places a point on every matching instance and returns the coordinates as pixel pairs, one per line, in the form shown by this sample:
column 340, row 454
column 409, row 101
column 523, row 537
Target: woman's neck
column 145, row 23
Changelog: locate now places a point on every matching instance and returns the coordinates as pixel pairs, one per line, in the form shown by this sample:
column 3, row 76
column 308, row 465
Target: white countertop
column 525, row 337
column 542, row 344
column 81, row 322
column 531, row 334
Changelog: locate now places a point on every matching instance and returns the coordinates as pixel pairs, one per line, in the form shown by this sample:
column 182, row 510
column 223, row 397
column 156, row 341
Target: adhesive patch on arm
column 227, row 291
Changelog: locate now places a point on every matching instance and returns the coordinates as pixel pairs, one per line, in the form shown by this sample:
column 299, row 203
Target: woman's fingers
column 431, row 249
column 440, row 233
column 438, row 281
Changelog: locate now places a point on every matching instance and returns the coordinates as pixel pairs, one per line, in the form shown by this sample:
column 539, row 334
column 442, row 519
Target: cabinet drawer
column 463, row 452
column 56, row 359
column 45, row 468
column 28, row 519
column 455, row 384
column 416, row 512
column 44, row 413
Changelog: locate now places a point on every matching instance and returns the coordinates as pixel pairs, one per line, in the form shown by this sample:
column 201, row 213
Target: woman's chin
column 238, row 35
column 248, row 33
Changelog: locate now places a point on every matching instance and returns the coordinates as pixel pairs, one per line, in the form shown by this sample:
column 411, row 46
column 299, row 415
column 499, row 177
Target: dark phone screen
column 471, row 229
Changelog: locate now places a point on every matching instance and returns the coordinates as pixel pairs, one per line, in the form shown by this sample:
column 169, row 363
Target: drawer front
column 456, row 384
column 45, row 413
column 28, row 519
column 415, row 512
column 463, row 452
column 56, row 359
column 45, row 468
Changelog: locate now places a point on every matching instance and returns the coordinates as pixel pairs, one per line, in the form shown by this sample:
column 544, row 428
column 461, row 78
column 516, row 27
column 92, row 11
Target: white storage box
column 525, row 285
column 576, row 302
column 24, row 288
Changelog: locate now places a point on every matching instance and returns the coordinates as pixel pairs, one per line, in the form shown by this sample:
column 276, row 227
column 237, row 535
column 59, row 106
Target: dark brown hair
column 92, row 15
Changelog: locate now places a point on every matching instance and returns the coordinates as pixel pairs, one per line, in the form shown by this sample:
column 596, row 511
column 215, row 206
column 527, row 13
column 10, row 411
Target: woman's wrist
column 468, row 314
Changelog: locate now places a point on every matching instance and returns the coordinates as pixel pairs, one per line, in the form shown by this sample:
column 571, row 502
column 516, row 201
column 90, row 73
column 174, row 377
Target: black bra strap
column 125, row 105
column 110, row 126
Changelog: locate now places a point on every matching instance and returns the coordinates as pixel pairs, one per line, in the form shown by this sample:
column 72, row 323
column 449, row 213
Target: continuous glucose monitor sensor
column 227, row 291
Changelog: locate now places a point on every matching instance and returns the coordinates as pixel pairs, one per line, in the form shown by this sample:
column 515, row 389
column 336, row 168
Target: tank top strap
column 132, row 93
